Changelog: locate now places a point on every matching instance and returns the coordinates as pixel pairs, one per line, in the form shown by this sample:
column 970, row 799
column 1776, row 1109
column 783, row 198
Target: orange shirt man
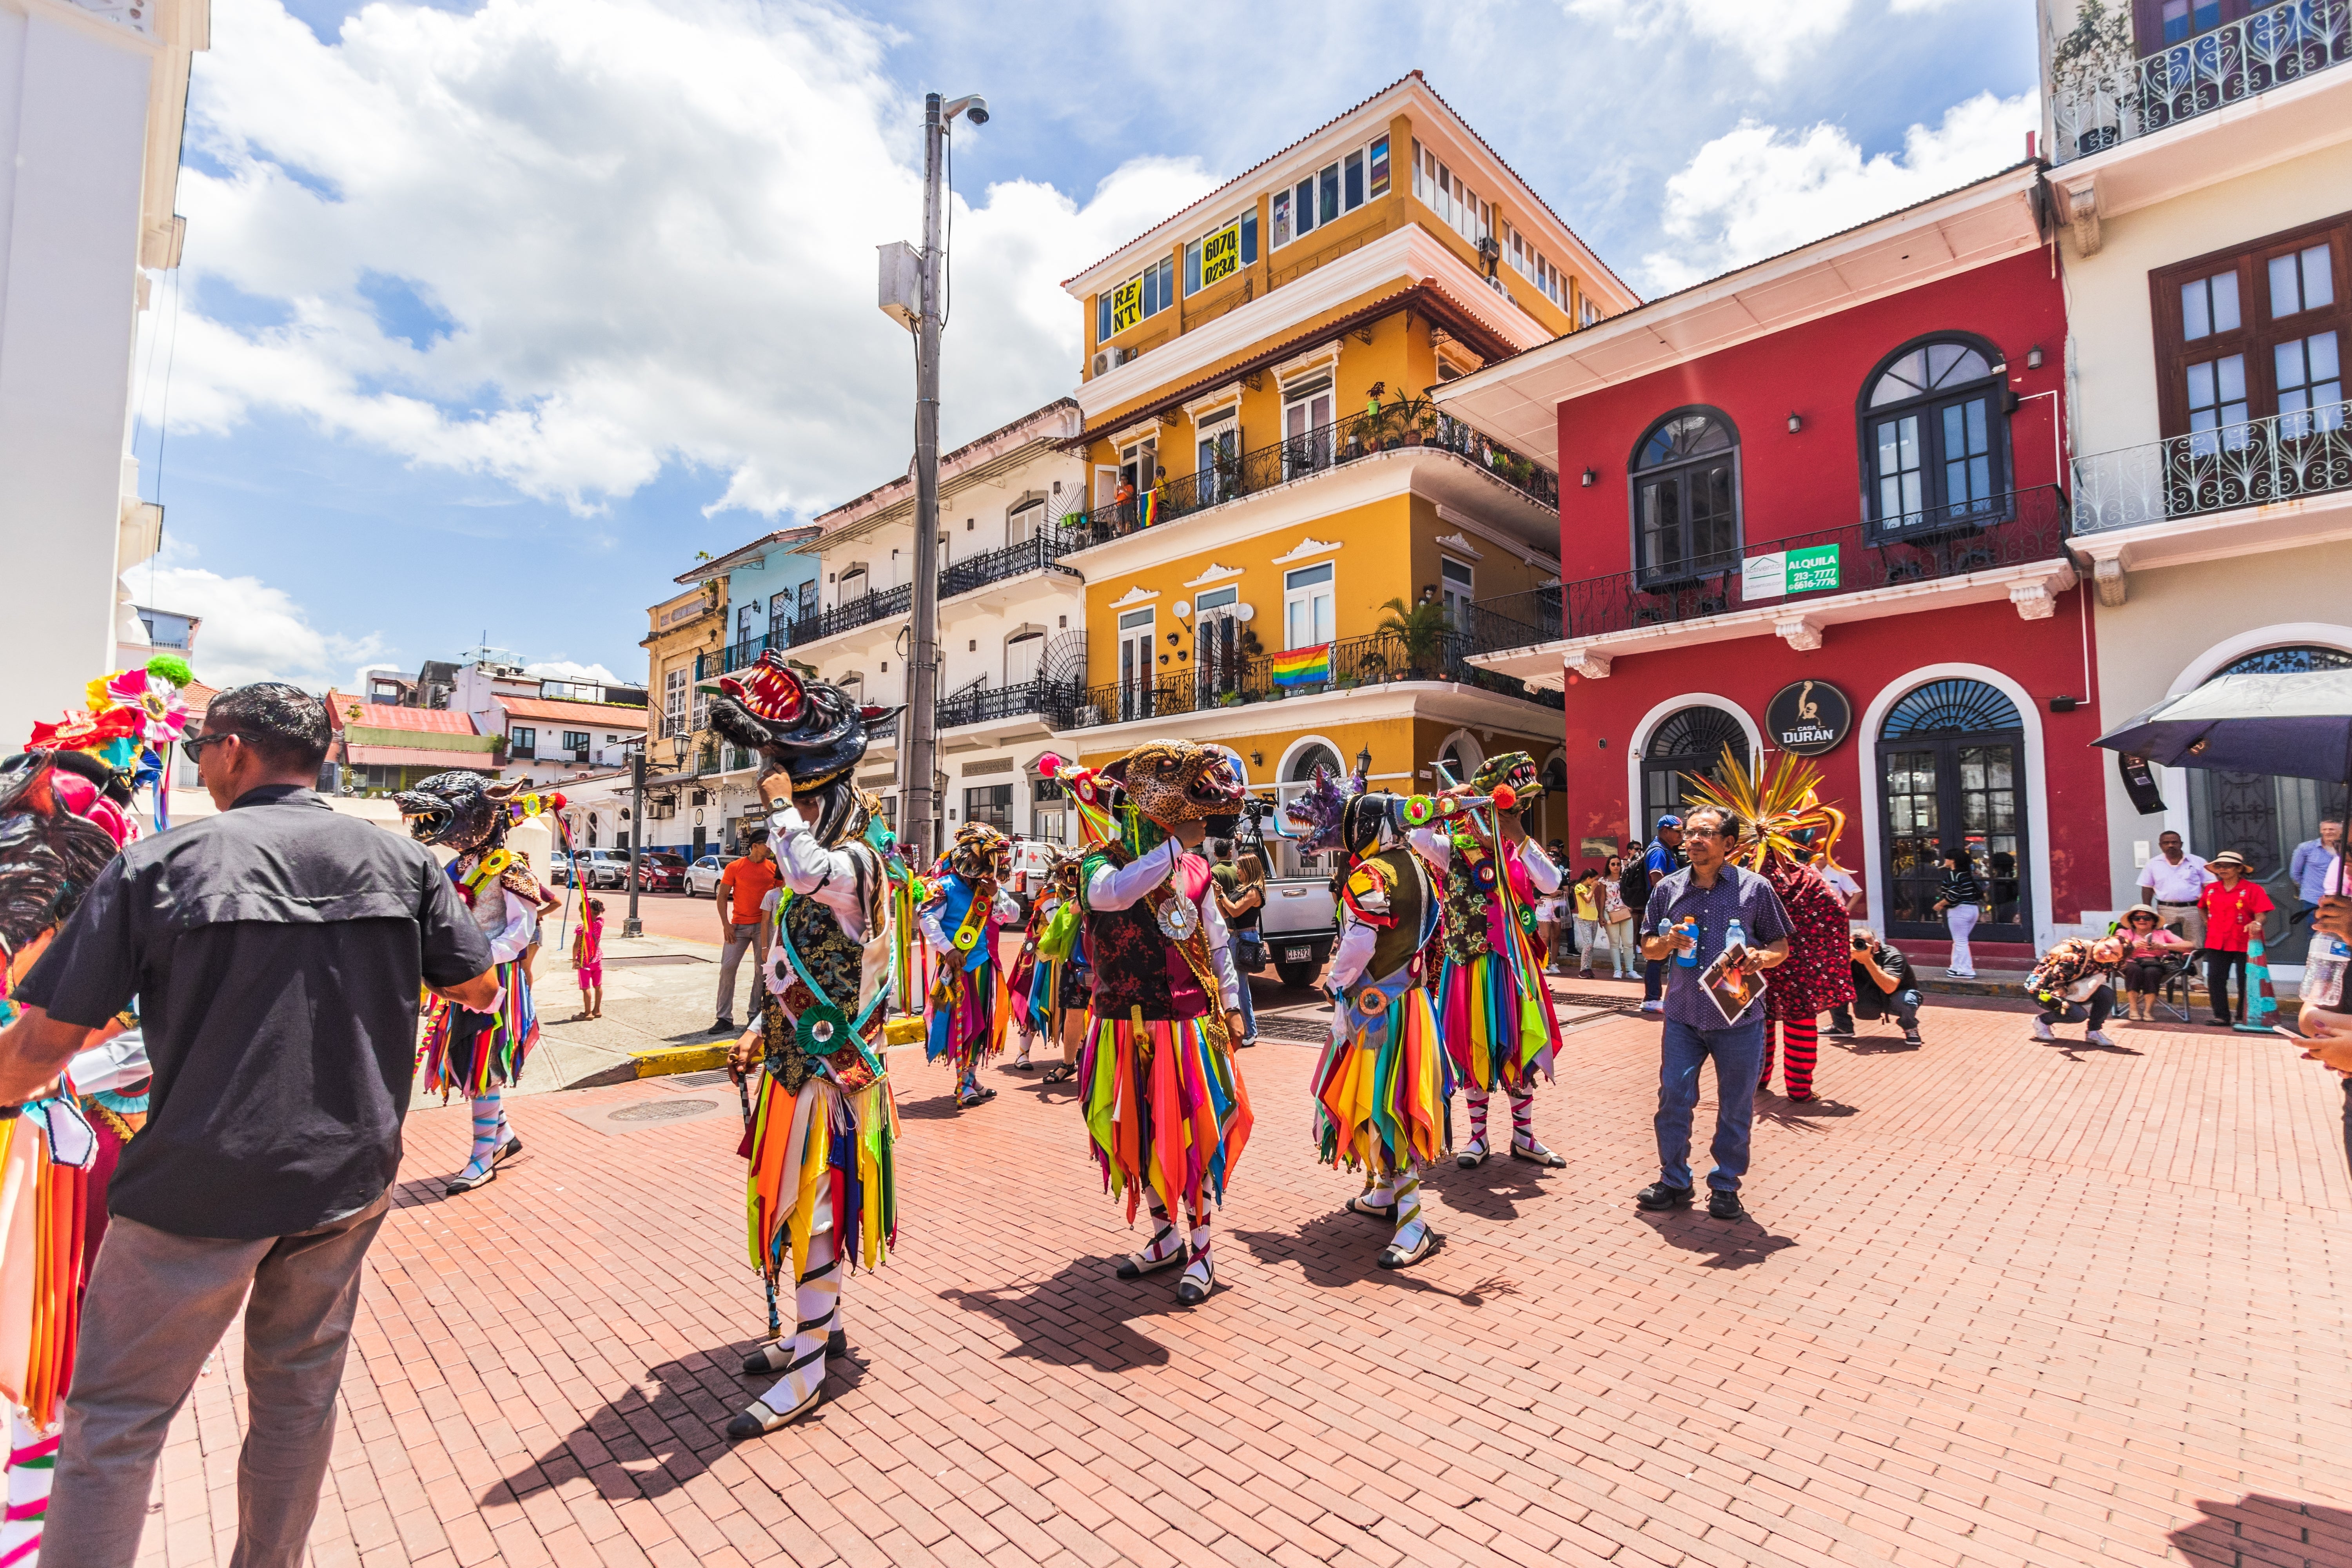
column 742, row 888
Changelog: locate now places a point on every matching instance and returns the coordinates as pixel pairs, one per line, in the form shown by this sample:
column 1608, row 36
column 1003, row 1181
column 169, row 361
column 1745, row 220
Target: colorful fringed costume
column 1166, row 1111
column 1052, row 986
column 821, row 1189
column 479, row 1054
column 1384, row 1088
column 967, row 1013
column 1492, row 1001
column 61, row 821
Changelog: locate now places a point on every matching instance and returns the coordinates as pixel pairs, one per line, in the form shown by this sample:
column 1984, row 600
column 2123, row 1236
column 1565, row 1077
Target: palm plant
column 1420, row 627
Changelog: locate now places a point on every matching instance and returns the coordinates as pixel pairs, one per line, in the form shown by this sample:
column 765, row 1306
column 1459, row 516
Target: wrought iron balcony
column 1355, row 662
column 1346, row 441
column 2284, row 458
column 2103, row 96
column 2008, row 531
column 1053, row 700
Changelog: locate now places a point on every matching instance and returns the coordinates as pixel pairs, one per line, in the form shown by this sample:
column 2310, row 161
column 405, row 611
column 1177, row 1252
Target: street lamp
column 632, row 926
column 920, row 725
column 1364, row 762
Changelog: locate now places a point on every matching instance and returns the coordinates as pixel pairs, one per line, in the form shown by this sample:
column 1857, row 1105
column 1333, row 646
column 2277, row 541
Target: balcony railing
column 2104, row 99
column 2011, row 530
column 1334, row 446
column 964, row 576
column 1053, row 700
column 1354, row 662
column 2284, row 458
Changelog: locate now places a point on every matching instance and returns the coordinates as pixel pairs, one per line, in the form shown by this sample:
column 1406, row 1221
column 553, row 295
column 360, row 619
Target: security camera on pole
column 909, row 294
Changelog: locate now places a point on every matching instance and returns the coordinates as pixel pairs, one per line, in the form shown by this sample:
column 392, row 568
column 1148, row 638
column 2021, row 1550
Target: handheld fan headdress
column 1786, row 820
column 811, row 730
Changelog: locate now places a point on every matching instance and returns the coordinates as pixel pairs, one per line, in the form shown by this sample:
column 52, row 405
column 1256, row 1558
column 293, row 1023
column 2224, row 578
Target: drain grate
column 663, row 1110
column 711, row 1079
column 1307, row 1031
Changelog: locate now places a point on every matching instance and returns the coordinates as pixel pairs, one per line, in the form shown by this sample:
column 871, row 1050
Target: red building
column 1815, row 505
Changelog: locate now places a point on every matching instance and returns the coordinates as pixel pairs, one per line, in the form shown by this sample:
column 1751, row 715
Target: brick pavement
column 2000, row 1303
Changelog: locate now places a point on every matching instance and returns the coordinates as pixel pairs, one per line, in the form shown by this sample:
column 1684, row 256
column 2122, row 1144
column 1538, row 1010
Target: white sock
column 1477, row 1098
column 1410, row 1228
column 817, row 1302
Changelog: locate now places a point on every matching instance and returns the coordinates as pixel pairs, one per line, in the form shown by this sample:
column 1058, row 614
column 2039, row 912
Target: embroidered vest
column 1134, row 964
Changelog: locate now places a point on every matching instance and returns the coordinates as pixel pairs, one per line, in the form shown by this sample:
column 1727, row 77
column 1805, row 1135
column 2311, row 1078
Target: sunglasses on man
column 193, row 748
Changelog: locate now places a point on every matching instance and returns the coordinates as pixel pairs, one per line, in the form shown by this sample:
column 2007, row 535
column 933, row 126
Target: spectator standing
column 2312, row 867
column 742, row 897
column 588, row 958
column 1587, row 896
column 2233, row 905
column 1618, row 915
column 2173, row 882
column 1884, row 987
column 1661, row 860
column 1241, row 899
column 1960, row 901
column 278, row 951
column 1700, row 902
column 2147, row 950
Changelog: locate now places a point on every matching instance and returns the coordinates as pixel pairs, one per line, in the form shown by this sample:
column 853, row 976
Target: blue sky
column 494, row 315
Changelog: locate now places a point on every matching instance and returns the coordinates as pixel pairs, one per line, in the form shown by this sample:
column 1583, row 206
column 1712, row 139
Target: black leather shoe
column 1658, row 1196
column 723, row 1026
column 1723, row 1205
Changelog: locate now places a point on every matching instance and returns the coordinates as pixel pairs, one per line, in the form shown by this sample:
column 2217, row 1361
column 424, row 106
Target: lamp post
column 633, row 926
column 917, row 794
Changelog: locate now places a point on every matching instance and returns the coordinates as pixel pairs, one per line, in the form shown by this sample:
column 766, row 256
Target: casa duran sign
column 1807, row 718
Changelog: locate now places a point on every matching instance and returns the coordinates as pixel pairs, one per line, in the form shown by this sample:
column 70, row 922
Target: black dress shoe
column 723, row 1026
column 1658, row 1196
column 1725, row 1205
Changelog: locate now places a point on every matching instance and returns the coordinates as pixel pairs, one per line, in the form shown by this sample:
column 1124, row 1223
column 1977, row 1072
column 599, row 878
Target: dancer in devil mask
column 967, row 909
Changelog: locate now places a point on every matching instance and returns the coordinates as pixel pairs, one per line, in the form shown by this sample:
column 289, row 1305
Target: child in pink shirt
column 588, row 960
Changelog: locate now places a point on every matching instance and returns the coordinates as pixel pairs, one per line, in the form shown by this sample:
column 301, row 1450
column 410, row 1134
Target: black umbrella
column 2298, row 725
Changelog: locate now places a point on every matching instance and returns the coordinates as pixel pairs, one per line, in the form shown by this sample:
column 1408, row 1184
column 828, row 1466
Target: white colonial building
column 89, row 167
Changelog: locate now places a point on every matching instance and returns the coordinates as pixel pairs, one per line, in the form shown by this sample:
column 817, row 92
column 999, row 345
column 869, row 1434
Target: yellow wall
column 1388, row 550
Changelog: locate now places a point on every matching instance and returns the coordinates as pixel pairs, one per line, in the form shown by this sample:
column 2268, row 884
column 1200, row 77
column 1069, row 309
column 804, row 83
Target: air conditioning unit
column 1102, row 363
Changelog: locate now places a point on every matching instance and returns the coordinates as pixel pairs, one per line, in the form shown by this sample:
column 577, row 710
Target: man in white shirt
column 2171, row 881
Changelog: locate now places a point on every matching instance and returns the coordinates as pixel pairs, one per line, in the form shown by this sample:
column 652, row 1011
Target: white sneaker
column 2097, row 1037
column 1654, row 1007
column 2041, row 1031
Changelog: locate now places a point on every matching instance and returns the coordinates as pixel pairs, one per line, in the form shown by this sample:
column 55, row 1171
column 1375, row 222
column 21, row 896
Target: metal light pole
column 919, row 729
column 631, row 926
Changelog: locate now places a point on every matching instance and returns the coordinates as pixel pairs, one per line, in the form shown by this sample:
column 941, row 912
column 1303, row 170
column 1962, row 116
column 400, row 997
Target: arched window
column 2287, row 661
column 1689, row 740
column 1302, row 766
column 1685, row 479
column 1951, row 770
column 1935, row 436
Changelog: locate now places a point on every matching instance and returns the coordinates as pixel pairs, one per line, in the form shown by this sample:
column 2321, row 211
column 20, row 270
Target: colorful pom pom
column 1505, row 797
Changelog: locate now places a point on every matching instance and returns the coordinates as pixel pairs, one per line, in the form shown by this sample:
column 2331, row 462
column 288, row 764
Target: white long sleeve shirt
column 812, row 872
column 1437, row 848
column 1007, row 909
column 1122, row 886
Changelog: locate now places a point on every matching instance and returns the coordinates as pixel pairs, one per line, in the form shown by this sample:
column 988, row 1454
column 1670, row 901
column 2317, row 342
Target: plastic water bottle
column 1734, row 935
column 2323, row 972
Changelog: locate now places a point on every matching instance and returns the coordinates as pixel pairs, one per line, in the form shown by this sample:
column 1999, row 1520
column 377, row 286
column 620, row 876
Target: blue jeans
column 1653, row 977
column 1738, row 1054
column 1238, row 947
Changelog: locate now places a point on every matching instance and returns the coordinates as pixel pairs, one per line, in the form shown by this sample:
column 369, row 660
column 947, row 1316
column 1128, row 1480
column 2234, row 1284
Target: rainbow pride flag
column 1149, row 510
column 1304, row 665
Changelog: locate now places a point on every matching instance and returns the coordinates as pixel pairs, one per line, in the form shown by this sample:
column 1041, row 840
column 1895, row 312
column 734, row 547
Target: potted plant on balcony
column 1420, row 629
column 2090, row 71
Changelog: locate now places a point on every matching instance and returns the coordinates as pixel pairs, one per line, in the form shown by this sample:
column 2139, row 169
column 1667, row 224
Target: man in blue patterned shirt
column 1700, row 901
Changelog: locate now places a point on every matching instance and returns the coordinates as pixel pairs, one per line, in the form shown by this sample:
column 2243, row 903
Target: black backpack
column 1634, row 887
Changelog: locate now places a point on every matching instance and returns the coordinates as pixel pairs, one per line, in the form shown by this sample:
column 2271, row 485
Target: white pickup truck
column 1301, row 927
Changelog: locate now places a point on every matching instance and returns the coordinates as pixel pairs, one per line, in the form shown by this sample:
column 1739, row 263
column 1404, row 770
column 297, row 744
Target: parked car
column 1301, row 927
column 661, row 871
column 601, row 868
column 702, row 877
column 559, row 868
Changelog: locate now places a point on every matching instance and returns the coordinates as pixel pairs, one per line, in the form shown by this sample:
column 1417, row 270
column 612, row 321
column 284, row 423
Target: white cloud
column 252, row 631
column 619, row 234
column 1915, row 8
column 1756, row 190
column 565, row 669
column 1770, row 33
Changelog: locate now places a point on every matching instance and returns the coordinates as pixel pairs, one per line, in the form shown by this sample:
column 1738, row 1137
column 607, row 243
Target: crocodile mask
column 811, row 730
column 1178, row 781
column 459, row 811
column 1515, row 769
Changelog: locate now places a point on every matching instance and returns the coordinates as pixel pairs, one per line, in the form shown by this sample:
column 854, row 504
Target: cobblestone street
column 2000, row 1303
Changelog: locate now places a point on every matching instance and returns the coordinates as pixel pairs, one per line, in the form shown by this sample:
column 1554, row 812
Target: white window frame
column 1024, row 522
column 1302, row 587
column 1447, row 596
column 1284, row 197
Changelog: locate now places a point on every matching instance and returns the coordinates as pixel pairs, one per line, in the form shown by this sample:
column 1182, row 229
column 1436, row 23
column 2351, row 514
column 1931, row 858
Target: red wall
column 1797, row 484
column 1811, row 480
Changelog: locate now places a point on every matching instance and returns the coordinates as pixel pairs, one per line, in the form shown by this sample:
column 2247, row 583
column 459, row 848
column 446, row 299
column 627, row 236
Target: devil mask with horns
column 810, row 731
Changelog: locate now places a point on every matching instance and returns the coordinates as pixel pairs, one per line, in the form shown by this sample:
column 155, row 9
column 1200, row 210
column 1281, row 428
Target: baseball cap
column 1670, row 820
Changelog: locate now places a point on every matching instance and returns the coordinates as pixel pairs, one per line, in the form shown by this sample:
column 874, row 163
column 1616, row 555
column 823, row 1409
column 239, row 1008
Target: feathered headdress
column 1786, row 820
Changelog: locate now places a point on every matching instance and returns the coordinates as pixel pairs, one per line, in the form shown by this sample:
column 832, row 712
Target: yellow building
column 684, row 637
column 1270, row 487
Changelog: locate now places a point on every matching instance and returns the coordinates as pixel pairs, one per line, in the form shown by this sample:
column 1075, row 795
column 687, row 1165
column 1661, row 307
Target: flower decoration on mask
column 162, row 712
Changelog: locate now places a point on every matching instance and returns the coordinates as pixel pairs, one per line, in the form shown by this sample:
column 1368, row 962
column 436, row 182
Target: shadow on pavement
column 2277, row 1531
column 1873, row 1046
column 1492, row 1191
column 1343, row 1248
column 1733, row 1244
column 1079, row 1315
column 649, row 1444
column 1801, row 1113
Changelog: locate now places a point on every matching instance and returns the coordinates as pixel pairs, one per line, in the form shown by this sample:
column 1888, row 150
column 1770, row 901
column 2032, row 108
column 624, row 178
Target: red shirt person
column 2234, row 908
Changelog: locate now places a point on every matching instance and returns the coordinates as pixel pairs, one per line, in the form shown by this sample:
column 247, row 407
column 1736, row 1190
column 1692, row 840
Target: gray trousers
column 156, row 1305
column 740, row 940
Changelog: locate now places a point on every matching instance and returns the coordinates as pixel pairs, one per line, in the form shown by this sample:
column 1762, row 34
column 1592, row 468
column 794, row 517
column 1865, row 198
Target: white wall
column 73, row 95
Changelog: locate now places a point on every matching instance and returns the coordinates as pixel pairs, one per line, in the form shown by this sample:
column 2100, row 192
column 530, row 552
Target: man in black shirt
column 277, row 951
